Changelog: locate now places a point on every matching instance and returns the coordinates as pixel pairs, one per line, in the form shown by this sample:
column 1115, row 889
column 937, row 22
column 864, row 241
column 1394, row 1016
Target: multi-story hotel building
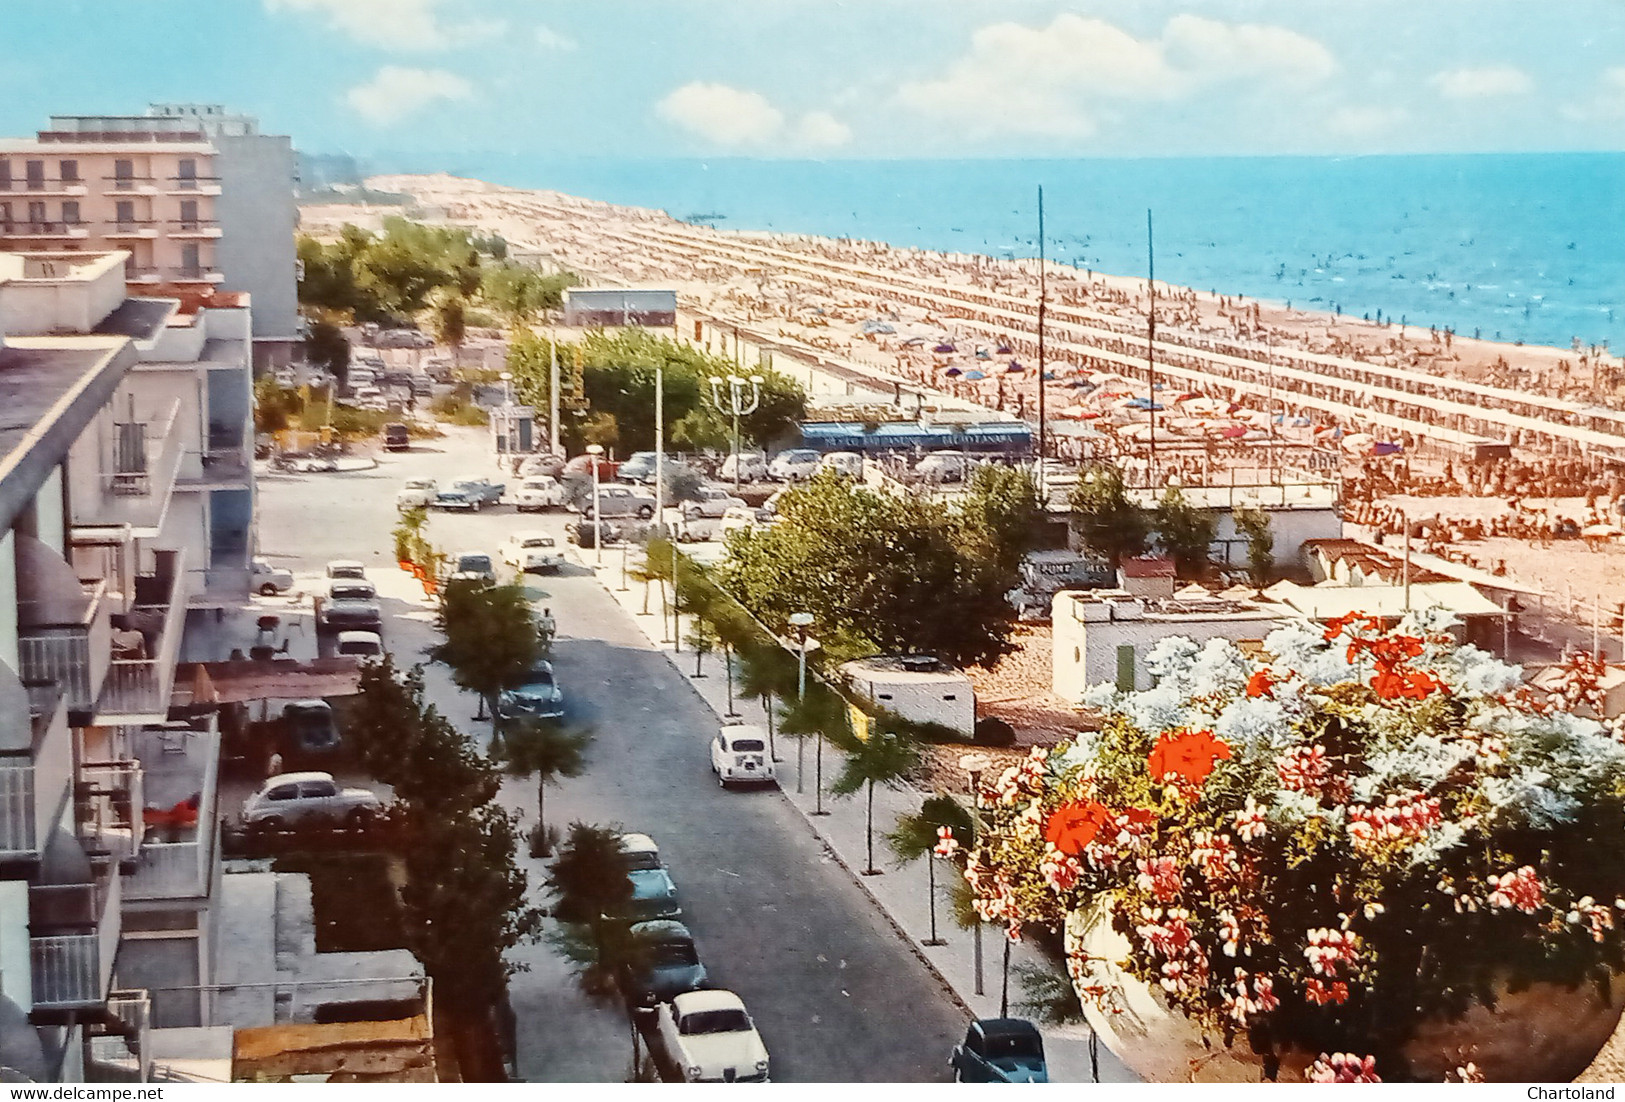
column 197, row 197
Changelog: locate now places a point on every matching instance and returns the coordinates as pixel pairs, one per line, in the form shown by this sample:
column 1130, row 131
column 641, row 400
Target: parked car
column 417, row 493
column 550, row 465
column 538, row 492
column 621, row 501
column 641, row 852
column 638, row 467
column 582, row 532
column 397, row 437
column 308, row 727
column 531, row 551
column 347, row 568
column 472, row 566
column 267, row 580
column 1000, row 1050
column 711, row 1038
column 943, row 467
column 713, row 501
column 668, row 964
column 795, row 465
column 847, row 464
column 361, row 644
column 739, row 756
column 654, row 896
column 349, row 606
column 741, row 517
column 751, row 467
column 470, row 494
column 538, row 696
column 303, row 799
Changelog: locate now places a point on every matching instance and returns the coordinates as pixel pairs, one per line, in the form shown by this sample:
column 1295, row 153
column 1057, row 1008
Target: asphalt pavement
column 837, row 994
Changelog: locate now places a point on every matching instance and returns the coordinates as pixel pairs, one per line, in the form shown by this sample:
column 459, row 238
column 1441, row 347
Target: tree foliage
column 521, row 294
column 883, row 758
column 1003, row 514
column 1184, row 532
column 895, row 573
column 1254, row 525
column 916, row 835
column 328, row 347
column 546, row 750
column 490, row 636
column 1107, row 522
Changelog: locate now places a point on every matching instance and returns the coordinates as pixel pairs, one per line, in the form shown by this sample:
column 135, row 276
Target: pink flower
column 947, row 845
column 1331, row 952
column 1305, row 769
column 1343, row 1067
column 1061, row 871
column 1242, row 1004
column 1398, row 821
column 1250, row 824
column 1160, row 876
column 1229, row 932
column 1214, row 855
column 1320, row 993
column 1521, row 889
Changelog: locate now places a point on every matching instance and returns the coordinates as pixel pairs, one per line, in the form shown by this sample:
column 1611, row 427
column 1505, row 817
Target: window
column 124, row 213
column 188, row 214
column 36, row 213
column 319, row 790
column 188, row 173
column 70, row 213
column 69, row 171
column 123, row 175
column 5, row 215
column 5, row 175
column 283, row 792
column 36, row 175
column 190, row 264
column 1125, row 668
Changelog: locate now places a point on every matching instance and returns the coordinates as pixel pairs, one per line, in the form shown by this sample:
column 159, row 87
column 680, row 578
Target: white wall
column 8, row 601
column 948, row 699
column 1290, row 527
column 16, row 974
column 1085, row 654
column 49, row 514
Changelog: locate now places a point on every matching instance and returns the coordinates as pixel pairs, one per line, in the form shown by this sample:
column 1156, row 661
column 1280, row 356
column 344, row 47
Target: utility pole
column 660, row 447
column 1041, row 300
column 553, row 391
column 1150, row 349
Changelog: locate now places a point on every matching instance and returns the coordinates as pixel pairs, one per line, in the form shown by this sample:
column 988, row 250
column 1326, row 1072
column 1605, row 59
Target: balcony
column 34, row 782
column 136, row 689
column 108, row 798
column 192, row 185
column 37, row 185
column 74, row 654
column 73, row 939
column 194, row 228
column 139, row 185
column 223, row 468
column 134, row 273
column 199, row 274
column 120, row 1051
column 44, row 231
column 132, row 228
column 180, row 765
column 142, row 458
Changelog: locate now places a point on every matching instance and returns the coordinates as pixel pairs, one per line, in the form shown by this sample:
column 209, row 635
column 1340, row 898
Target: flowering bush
column 1319, row 851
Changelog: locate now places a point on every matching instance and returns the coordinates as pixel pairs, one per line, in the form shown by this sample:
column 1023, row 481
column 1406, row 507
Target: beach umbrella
column 982, row 353
column 1002, row 350
column 953, row 373
column 944, row 348
column 975, row 375
column 1234, row 432
column 1383, row 447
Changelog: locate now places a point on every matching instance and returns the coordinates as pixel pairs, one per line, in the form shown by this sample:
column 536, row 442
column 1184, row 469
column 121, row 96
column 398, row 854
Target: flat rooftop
column 141, row 319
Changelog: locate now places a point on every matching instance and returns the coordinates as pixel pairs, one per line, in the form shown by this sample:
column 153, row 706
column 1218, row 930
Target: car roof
column 357, row 637
column 311, row 703
column 1006, row 1027
column 295, row 778
column 346, row 564
column 638, row 843
column 463, row 554
column 744, row 730
column 690, row 1001
column 666, row 929
column 650, row 880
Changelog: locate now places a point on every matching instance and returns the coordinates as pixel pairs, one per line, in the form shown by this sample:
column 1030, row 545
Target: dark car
column 667, row 964
column 1000, row 1050
column 397, row 437
column 538, row 696
column 580, row 532
column 349, row 606
column 309, row 727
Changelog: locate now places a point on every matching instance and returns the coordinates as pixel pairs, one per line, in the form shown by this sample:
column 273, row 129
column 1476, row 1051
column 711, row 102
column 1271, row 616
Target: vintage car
column 1000, row 1050
column 531, row 551
column 350, row 605
column 469, row 494
column 739, row 755
column 666, row 964
column 711, row 1038
column 537, row 696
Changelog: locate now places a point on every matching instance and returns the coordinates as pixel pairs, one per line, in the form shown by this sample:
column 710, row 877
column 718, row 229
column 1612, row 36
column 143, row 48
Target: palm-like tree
column 766, row 671
column 918, row 835
column 550, row 752
column 883, row 758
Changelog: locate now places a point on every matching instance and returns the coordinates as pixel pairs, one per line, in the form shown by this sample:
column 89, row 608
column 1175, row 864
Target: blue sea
column 1514, row 247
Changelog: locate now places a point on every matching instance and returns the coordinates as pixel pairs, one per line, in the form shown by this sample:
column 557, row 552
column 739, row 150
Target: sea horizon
column 1516, row 247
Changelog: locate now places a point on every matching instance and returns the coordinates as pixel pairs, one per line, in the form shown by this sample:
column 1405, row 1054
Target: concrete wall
column 16, row 975
column 1086, row 654
column 8, row 600
column 946, row 698
column 1291, row 526
column 258, row 218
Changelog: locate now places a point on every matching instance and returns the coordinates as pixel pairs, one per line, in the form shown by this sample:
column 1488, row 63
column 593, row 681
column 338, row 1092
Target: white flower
column 1295, row 644
column 1171, row 657
column 1103, row 697
column 1253, row 723
column 1159, row 709
column 1482, row 674
column 1219, row 668
column 1428, row 621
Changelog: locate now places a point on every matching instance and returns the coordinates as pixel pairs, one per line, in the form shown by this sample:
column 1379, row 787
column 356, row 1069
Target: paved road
column 837, row 995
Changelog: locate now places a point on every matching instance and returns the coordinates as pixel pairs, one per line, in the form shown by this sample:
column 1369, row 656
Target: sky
column 858, row 79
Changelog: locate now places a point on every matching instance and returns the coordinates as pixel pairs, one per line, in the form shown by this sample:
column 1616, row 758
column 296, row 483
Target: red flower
column 1261, row 683
column 1186, row 754
column 1073, row 826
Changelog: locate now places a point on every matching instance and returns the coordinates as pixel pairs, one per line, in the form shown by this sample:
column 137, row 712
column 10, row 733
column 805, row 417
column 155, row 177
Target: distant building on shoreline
column 196, row 196
column 606, row 307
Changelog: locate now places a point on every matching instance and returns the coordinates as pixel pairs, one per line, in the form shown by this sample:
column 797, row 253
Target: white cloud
column 1060, row 81
column 395, row 92
column 406, row 25
column 1485, row 82
column 822, row 130
column 722, row 114
column 1366, row 122
column 1607, row 103
column 549, row 39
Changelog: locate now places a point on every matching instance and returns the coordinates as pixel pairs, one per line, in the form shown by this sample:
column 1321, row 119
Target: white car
column 641, row 852
column 418, row 493
column 538, row 492
column 473, row 566
column 346, row 568
column 267, row 580
column 531, row 551
column 739, row 755
column 741, row 518
column 943, row 467
column 847, row 464
column 795, row 465
column 298, row 799
column 711, row 1038
column 752, row 467
column 361, row 644
column 713, row 501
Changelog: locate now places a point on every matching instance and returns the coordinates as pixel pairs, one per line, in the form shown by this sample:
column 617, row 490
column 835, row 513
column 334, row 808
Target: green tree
column 1254, row 524
column 896, row 573
column 883, row 758
column 548, row 751
column 448, row 318
column 1107, row 522
column 1184, row 531
column 915, row 836
column 490, row 638
column 328, row 347
column 1003, row 514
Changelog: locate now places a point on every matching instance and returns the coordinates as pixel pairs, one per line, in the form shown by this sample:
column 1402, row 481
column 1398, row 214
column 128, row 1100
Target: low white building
column 917, row 687
column 1105, row 635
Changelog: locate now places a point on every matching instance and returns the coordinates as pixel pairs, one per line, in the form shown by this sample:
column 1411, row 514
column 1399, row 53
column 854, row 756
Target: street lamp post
column 800, row 621
column 738, row 403
column 596, row 450
column 974, row 765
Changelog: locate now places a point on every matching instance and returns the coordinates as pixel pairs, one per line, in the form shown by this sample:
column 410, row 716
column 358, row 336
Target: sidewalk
column 901, row 892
